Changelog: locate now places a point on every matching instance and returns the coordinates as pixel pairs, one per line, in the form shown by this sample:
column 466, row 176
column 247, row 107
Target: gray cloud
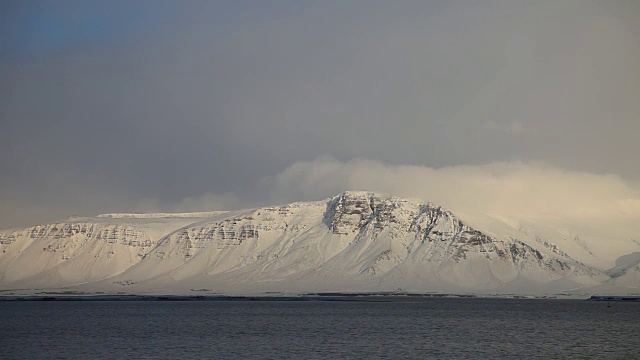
column 207, row 98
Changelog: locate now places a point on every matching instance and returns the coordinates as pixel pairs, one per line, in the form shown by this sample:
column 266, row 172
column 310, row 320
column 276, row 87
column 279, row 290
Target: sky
column 489, row 105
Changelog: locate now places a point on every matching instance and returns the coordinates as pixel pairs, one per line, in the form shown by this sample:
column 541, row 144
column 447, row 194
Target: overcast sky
column 194, row 105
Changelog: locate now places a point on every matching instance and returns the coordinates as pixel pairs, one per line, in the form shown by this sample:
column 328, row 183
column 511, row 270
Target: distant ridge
column 202, row 214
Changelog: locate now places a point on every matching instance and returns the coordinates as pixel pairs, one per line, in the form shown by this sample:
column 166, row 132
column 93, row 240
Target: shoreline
column 333, row 296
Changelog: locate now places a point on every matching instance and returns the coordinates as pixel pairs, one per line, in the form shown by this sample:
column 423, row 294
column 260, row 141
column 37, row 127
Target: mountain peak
column 354, row 241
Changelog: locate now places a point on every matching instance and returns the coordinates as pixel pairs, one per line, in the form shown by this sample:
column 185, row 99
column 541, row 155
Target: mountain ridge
column 354, row 241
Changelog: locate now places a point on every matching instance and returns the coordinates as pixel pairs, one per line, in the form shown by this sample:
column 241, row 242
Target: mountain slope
column 356, row 241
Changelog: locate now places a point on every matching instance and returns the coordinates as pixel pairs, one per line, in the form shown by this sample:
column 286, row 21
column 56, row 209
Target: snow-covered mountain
column 353, row 242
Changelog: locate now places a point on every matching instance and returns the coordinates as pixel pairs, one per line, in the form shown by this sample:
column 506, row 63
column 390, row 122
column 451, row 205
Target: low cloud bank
column 514, row 189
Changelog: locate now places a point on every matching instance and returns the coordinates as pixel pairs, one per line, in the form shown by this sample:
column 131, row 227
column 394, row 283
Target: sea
column 425, row 328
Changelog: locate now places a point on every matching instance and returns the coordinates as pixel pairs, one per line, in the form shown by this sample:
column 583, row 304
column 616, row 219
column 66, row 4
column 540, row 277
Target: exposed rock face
column 112, row 234
column 355, row 241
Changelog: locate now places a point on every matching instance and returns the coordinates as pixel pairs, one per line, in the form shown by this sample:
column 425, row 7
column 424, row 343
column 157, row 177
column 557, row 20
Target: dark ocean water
column 428, row 328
